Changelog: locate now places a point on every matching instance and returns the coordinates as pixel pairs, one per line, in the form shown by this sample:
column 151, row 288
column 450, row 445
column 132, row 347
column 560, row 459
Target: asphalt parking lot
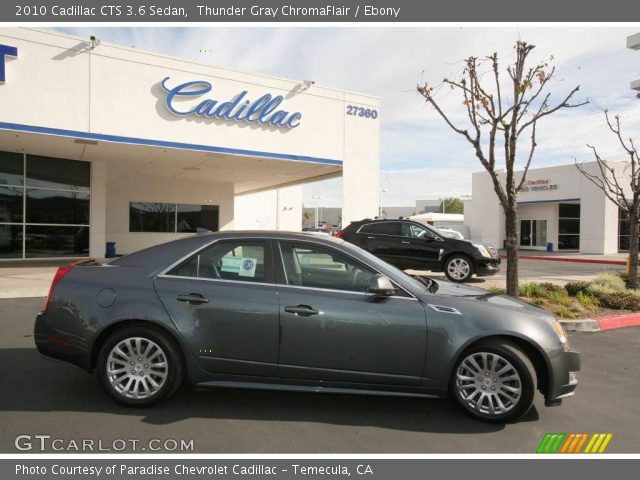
column 42, row 396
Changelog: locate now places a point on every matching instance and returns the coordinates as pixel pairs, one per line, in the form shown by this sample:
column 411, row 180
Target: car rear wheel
column 138, row 366
column 458, row 268
column 494, row 381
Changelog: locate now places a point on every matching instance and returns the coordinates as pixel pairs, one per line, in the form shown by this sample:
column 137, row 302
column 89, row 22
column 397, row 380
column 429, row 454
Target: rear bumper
column 487, row 266
column 60, row 345
column 562, row 375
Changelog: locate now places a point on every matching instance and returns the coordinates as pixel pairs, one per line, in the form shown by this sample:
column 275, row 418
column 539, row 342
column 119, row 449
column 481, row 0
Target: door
column 421, row 247
column 383, row 240
column 333, row 330
column 224, row 302
column 533, row 234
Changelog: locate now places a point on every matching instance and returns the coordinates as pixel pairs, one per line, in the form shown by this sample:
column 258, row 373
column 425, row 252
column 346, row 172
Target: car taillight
column 339, row 234
column 61, row 272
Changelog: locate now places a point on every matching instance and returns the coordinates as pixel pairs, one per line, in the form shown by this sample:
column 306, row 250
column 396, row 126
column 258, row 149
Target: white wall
column 279, row 209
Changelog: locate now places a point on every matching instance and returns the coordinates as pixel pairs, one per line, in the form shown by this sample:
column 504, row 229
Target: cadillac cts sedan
column 298, row 312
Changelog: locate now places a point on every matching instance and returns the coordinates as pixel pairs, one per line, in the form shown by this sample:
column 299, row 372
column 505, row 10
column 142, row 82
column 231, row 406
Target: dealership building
column 559, row 209
column 101, row 143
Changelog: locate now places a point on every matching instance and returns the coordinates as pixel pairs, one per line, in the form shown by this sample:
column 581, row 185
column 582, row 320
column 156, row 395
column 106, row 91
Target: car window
column 383, row 228
column 317, row 267
column 415, row 231
column 238, row 260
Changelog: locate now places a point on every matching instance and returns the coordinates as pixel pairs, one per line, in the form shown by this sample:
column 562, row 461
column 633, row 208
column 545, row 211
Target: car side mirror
column 381, row 286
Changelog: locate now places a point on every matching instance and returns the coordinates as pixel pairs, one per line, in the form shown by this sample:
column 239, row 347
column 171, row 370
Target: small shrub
column 609, row 281
column 499, row 290
column 574, row 288
column 587, row 300
column 625, row 278
column 560, row 297
column 539, row 290
column 565, row 312
column 624, row 300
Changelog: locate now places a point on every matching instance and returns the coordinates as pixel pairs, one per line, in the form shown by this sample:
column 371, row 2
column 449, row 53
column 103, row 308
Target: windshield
column 416, row 283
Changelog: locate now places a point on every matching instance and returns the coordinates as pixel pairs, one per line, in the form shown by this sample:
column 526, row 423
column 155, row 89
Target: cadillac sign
column 266, row 110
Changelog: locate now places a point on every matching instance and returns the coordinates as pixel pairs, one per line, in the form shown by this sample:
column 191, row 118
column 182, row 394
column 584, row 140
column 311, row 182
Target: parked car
column 408, row 244
column 302, row 313
column 316, row 231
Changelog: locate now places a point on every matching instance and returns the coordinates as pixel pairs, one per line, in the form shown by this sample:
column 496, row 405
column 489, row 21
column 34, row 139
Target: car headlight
column 557, row 326
column 482, row 249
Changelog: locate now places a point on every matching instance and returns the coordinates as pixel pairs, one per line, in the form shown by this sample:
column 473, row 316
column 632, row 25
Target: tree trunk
column 511, row 225
column 633, row 246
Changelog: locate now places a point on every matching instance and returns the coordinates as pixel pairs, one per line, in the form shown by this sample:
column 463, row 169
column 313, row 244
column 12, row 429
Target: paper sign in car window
column 248, row 267
column 231, row 264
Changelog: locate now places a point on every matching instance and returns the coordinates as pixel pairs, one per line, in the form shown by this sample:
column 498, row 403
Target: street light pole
column 384, row 190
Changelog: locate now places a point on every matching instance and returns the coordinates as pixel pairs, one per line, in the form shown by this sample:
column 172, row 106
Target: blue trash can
column 549, row 247
column 110, row 250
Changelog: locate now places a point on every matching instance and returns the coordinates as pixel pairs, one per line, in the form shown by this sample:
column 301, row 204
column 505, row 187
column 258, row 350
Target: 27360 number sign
column 362, row 112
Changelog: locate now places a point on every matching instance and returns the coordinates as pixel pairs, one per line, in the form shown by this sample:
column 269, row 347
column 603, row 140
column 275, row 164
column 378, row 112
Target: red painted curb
column 619, row 321
column 569, row 259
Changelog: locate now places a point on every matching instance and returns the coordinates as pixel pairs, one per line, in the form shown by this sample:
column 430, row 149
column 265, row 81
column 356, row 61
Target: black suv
column 411, row 245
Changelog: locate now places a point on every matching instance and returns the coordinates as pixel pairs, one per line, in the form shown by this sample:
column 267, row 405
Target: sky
column 420, row 156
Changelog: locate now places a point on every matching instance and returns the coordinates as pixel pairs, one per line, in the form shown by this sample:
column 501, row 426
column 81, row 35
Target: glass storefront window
column 55, row 214
column 171, row 217
column 58, row 173
column 51, row 241
column 569, row 226
column 152, row 217
column 57, row 206
column 192, row 217
column 10, row 241
column 11, row 204
column 533, row 233
column 11, row 168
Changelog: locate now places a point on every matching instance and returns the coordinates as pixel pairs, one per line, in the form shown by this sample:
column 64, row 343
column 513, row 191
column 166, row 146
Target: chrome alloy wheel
column 137, row 367
column 488, row 383
column 458, row 268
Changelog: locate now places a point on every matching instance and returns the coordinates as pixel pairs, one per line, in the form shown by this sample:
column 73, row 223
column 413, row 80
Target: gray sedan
column 291, row 311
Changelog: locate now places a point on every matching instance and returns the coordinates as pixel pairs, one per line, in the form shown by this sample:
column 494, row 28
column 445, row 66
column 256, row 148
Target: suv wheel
column 494, row 381
column 458, row 268
column 138, row 366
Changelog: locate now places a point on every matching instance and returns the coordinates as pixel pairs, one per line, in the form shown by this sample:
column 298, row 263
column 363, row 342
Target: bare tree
column 613, row 185
column 497, row 119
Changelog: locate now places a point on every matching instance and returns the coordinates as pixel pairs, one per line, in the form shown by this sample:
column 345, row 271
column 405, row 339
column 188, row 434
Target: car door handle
column 302, row 310
column 406, row 243
column 192, row 298
column 371, row 238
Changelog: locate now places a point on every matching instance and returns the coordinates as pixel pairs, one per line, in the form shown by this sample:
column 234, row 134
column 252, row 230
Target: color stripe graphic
column 556, row 442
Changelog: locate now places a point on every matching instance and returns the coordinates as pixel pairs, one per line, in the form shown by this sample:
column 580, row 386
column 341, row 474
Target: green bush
column 621, row 300
column 587, row 300
column 609, row 281
column 539, row 290
column 574, row 288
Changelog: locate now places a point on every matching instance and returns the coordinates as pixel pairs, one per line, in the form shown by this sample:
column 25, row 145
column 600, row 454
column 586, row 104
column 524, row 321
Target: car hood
column 448, row 289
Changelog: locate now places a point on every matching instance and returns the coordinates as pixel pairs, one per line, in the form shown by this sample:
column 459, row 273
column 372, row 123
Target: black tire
column 174, row 374
column 463, row 259
column 519, row 361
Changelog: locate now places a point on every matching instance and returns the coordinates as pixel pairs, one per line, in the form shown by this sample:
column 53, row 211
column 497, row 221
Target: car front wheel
column 494, row 381
column 138, row 366
column 458, row 268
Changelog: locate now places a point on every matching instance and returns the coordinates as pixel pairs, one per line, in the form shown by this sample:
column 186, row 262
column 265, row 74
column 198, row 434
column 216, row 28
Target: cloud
column 420, row 156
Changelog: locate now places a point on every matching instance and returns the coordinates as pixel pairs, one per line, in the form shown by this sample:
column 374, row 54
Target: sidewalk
column 576, row 257
column 20, row 280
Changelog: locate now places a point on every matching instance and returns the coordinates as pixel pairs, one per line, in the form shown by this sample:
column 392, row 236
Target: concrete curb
column 602, row 323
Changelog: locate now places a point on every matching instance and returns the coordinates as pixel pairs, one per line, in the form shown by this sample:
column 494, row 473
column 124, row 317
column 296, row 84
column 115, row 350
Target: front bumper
column 487, row 266
column 562, row 378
